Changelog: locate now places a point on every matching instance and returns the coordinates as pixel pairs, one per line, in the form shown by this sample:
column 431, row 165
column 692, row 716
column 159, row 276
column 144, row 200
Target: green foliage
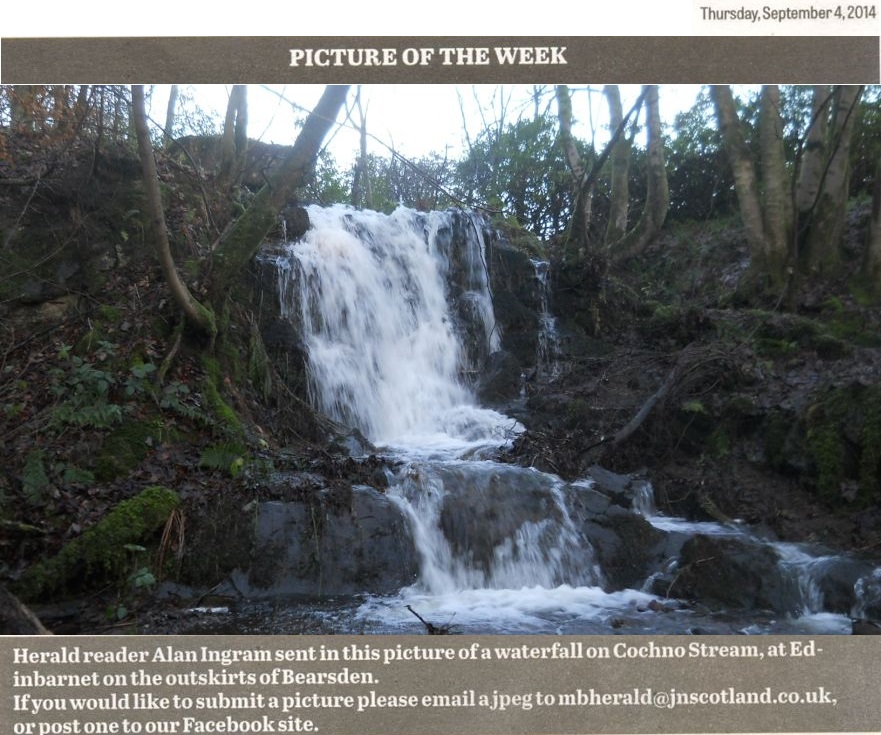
column 699, row 177
column 228, row 457
column 520, row 166
column 694, row 406
column 177, row 398
column 34, row 478
column 844, row 443
column 227, row 418
column 139, row 580
column 102, row 553
column 328, row 184
column 418, row 183
column 83, row 390
column 138, row 380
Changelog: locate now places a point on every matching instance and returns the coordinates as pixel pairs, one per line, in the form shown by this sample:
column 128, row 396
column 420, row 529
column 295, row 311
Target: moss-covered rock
column 844, row 443
column 228, row 420
column 125, row 448
column 100, row 555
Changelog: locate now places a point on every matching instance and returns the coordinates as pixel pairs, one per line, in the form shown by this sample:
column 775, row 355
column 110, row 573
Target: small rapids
column 396, row 316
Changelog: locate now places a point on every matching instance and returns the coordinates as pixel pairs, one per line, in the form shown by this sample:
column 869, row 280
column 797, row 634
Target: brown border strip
column 607, row 59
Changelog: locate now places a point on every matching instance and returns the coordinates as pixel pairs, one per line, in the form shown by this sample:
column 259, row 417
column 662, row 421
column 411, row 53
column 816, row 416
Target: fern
column 34, row 479
column 228, row 457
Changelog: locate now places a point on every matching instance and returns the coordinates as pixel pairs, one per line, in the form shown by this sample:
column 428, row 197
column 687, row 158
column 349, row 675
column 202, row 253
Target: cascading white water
column 383, row 345
column 548, row 337
column 386, row 305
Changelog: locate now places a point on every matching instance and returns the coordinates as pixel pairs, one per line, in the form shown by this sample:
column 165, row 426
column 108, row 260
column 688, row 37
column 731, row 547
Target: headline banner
column 557, row 59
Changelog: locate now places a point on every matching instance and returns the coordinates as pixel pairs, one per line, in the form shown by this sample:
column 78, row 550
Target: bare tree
column 768, row 204
column 196, row 313
column 170, row 111
column 234, row 142
column 239, row 243
column 872, row 261
column 620, row 164
column 657, row 200
column 824, row 223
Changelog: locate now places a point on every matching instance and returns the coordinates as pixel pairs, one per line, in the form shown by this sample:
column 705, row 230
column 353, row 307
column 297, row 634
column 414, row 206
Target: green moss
column 226, row 417
column 125, row 448
column 844, row 442
column 775, row 348
column 776, row 432
column 827, row 453
column 109, row 313
column 719, row 443
column 259, row 365
column 99, row 556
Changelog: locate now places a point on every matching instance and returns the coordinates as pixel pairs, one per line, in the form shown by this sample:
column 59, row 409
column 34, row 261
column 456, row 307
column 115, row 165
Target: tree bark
column 872, row 261
column 362, row 191
column 828, row 214
column 813, row 160
column 620, row 163
column 195, row 312
column 167, row 136
column 742, row 167
column 242, row 240
column 657, row 199
column 583, row 204
column 776, row 192
column 234, row 143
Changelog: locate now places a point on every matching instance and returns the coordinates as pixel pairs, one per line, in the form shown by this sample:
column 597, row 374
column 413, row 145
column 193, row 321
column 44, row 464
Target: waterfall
column 386, row 347
column 395, row 313
column 548, row 362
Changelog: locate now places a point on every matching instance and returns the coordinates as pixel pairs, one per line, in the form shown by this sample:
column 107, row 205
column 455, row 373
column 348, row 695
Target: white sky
column 415, row 119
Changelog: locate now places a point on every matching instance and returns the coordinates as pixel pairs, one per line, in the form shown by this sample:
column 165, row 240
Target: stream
column 396, row 316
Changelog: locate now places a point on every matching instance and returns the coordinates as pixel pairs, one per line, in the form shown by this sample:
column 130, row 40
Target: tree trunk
column 822, row 248
column 620, row 163
column 776, row 192
column 362, row 191
column 22, row 103
column 242, row 240
column 234, row 142
column 872, row 261
column 583, row 195
column 657, row 199
column 167, row 136
column 197, row 314
column 813, row 160
column 742, row 167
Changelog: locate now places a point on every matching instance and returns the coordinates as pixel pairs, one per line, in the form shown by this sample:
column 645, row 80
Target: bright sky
column 416, row 119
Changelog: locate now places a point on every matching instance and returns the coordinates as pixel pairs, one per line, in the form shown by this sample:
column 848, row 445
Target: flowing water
column 396, row 313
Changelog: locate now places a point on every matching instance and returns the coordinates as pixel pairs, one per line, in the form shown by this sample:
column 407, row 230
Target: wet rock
column 733, row 572
column 627, row 546
column 501, row 379
column 836, row 580
column 332, row 545
column 483, row 510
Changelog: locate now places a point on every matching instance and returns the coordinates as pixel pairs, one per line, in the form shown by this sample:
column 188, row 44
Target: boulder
column 337, row 543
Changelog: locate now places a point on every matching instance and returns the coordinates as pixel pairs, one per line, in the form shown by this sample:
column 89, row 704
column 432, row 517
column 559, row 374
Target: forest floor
column 767, row 416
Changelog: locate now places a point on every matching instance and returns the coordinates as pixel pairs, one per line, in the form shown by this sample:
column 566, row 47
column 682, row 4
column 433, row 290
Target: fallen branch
column 685, row 364
column 430, row 628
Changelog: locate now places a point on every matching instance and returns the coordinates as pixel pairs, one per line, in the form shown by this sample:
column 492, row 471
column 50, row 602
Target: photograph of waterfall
column 521, row 358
